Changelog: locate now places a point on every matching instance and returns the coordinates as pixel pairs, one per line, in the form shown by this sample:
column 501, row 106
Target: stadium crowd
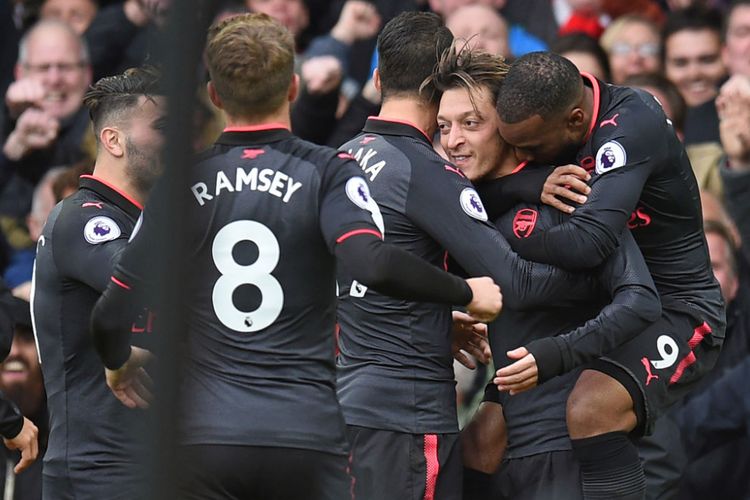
column 693, row 56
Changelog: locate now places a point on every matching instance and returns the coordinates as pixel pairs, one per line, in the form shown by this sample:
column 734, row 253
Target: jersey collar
column 257, row 134
column 386, row 126
column 601, row 100
column 112, row 194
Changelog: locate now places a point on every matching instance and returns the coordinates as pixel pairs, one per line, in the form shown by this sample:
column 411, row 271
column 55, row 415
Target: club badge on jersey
column 610, row 156
column 100, row 229
column 359, row 193
column 472, row 204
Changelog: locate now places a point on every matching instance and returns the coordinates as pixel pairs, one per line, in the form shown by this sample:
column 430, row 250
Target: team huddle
column 598, row 313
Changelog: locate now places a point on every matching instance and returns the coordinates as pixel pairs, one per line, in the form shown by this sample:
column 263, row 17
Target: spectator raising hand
column 733, row 106
column 359, row 20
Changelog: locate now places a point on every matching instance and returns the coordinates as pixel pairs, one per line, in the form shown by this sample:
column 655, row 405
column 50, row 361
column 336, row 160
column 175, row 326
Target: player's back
column 89, row 427
column 395, row 367
column 632, row 131
column 262, row 293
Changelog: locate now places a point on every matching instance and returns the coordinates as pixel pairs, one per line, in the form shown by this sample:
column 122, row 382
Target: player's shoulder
column 85, row 219
column 630, row 112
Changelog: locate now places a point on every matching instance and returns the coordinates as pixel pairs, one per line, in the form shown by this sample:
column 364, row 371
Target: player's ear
column 293, row 88
column 112, row 140
column 376, row 79
column 213, row 96
column 576, row 119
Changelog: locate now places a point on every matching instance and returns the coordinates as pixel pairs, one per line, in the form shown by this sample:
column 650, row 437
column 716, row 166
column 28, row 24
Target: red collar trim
column 257, row 128
column 519, row 167
column 116, row 189
column 402, row 122
column 597, row 100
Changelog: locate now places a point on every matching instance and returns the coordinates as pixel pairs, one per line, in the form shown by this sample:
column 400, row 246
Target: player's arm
column 395, row 272
column 351, row 224
column 19, row 433
column 635, row 305
column 592, row 232
column 447, row 207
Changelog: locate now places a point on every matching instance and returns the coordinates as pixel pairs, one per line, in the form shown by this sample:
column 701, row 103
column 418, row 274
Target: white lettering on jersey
column 610, row 157
column 265, row 180
column 472, row 205
column 100, row 229
column 358, row 191
column 364, row 162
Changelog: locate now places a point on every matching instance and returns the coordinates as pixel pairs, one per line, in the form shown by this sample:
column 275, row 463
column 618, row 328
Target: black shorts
column 545, row 476
column 662, row 364
column 92, row 482
column 227, row 472
column 397, row 465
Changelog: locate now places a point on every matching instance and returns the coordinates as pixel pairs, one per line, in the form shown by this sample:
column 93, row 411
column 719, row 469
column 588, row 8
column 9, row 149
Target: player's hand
column 519, row 376
column 34, row 130
column 487, row 300
column 470, row 336
column 27, row 443
column 131, row 383
column 359, row 20
column 23, row 94
column 566, row 183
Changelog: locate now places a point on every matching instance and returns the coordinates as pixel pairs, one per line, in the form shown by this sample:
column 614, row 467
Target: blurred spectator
column 447, row 7
column 123, row 34
column 482, row 27
column 632, row 43
column 585, row 53
column 291, row 13
column 692, row 61
column 17, row 275
column 21, row 381
column 46, row 122
column 9, row 36
column 584, row 16
column 733, row 105
column 736, row 51
column 76, row 13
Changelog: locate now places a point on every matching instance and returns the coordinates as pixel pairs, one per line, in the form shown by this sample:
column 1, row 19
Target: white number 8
column 258, row 274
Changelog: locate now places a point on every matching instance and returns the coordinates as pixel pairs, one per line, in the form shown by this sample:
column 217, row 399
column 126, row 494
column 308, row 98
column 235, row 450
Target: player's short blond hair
column 250, row 58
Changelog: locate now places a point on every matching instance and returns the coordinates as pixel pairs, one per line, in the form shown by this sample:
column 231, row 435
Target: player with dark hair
column 91, row 444
column 534, row 422
column 641, row 181
column 395, row 376
column 269, row 213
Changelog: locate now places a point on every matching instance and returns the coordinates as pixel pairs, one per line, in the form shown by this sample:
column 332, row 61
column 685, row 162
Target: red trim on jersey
column 119, row 283
column 403, row 122
column 445, row 261
column 698, row 334
column 432, row 465
column 118, row 190
column 597, row 99
column 256, row 128
column 520, row 167
column 352, row 479
column 358, row 231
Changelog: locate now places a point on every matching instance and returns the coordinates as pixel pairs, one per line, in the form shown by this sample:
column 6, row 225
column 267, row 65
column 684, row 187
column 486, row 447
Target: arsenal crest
column 524, row 222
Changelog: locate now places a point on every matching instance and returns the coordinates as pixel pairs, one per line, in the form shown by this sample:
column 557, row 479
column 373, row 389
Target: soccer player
column 395, row 376
column 538, row 444
column 259, row 415
column 641, row 181
column 90, row 450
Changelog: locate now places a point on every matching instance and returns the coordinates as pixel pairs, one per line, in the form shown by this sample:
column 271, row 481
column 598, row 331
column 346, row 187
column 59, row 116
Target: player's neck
column 587, row 104
column 115, row 175
column 279, row 117
column 507, row 161
column 418, row 113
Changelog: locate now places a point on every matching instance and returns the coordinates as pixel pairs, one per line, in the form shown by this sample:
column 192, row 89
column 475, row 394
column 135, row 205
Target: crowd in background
column 694, row 56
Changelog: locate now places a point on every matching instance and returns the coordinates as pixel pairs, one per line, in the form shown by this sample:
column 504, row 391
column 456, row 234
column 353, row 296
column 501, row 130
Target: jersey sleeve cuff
column 355, row 232
column 548, row 356
column 12, row 421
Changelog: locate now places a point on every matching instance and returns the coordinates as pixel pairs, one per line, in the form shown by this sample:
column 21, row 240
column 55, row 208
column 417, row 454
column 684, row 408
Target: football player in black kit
column 395, row 376
column 259, row 416
column 641, row 180
column 91, row 445
column 537, row 439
